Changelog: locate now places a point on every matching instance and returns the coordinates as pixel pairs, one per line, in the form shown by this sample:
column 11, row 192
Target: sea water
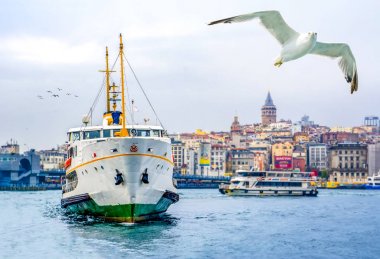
column 203, row 224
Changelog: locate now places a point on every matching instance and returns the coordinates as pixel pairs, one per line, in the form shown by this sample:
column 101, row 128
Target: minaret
column 268, row 111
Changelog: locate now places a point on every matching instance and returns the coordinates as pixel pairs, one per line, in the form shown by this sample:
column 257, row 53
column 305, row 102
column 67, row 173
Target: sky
column 196, row 76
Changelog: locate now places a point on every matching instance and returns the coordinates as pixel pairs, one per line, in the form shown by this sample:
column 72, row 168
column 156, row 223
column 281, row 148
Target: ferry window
column 106, row 133
column 91, row 134
column 143, row 133
column 75, row 136
column 156, row 133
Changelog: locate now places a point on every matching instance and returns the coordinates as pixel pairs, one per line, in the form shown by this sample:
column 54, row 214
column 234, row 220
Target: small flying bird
column 59, row 89
column 296, row 45
column 55, row 95
column 39, row 96
column 76, row 95
column 49, row 91
column 68, row 93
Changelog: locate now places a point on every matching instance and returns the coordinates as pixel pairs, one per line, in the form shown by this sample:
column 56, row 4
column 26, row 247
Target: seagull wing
column 272, row 21
column 347, row 61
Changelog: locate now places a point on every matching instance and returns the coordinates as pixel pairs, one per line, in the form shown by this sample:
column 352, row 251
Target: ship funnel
column 116, row 117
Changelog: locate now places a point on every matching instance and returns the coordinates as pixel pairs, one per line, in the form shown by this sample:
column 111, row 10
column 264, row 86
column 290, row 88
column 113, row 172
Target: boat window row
column 279, row 184
column 280, row 175
column 107, row 133
column 253, row 174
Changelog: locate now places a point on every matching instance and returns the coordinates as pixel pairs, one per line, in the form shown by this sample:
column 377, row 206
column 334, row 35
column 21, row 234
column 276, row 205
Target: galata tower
column 268, row 111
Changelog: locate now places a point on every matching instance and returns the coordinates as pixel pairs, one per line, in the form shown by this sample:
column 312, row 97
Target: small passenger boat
column 373, row 182
column 252, row 183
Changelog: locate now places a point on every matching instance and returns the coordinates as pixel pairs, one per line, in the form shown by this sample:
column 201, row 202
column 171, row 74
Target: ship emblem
column 134, row 148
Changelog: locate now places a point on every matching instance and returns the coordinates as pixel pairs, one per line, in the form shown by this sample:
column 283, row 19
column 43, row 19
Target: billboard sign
column 283, row 162
column 205, row 152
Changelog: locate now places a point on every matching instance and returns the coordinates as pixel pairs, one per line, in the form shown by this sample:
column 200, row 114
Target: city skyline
column 196, row 76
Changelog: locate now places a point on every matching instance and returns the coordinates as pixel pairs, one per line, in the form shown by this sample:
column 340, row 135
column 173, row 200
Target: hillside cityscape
column 338, row 154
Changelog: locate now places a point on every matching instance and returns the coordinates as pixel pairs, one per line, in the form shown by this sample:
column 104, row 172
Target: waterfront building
column 268, row 111
column 204, row 158
column 280, row 125
column 299, row 164
column 317, row 156
column 241, row 159
column 261, row 150
column 305, row 122
column 218, row 159
column 348, row 163
column 178, row 155
column 373, row 159
column 10, row 148
column 274, row 134
column 296, row 127
column 372, row 121
column 301, row 137
column 332, row 138
column 17, row 169
column 190, row 165
column 260, row 159
column 341, row 129
column 299, row 158
column 282, row 156
column 52, row 159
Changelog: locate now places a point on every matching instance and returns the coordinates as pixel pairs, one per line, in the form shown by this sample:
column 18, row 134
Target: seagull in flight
column 68, row 93
column 59, row 89
column 296, row 45
column 55, row 95
column 49, row 91
column 40, row 97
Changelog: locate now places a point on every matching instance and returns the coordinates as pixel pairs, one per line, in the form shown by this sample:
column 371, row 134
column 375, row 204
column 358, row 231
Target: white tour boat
column 373, row 182
column 252, row 183
column 116, row 171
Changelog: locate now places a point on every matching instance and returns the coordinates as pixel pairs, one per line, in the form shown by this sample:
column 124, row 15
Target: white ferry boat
column 373, row 182
column 252, row 183
column 116, row 171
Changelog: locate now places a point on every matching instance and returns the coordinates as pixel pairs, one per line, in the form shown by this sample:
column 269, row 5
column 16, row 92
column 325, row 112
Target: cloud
column 45, row 50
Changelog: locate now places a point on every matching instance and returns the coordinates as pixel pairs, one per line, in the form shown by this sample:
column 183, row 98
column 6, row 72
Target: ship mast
column 123, row 132
column 107, row 82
